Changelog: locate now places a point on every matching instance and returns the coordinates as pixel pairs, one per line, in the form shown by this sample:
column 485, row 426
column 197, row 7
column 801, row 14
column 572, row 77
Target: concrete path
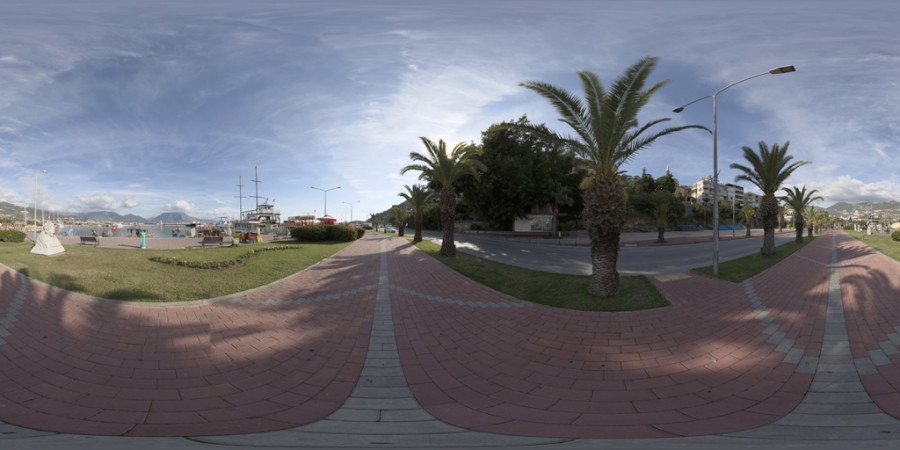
column 383, row 346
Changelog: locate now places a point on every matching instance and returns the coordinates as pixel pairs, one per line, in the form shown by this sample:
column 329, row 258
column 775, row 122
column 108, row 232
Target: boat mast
column 240, row 197
column 256, row 182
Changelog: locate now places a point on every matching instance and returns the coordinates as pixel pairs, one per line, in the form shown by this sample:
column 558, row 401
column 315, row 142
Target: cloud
column 851, row 190
column 103, row 202
column 180, row 206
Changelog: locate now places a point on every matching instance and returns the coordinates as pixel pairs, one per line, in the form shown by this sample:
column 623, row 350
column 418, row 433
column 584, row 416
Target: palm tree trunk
column 418, row 219
column 448, row 216
column 768, row 210
column 660, row 233
column 604, row 216
column 798, row 226
column 748, row 228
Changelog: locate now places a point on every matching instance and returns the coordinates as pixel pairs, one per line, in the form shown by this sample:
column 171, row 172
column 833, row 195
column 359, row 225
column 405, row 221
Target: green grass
column 551, row 289
column 128, row 274
column 738, row 270
column 879, row 241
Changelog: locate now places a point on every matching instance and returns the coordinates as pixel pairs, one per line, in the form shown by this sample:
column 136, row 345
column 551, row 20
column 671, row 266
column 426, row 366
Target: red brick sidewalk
column 871, row 290
column 78, row 365
column 701, row 366
column 720, row 359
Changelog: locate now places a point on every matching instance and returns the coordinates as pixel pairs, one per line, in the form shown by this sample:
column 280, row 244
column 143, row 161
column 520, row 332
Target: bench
column 282, row 235
column 211, row 240
column 90, row 240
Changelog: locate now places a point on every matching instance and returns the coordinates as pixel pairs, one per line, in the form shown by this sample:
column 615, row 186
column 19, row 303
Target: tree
column 444, row 168
column 607, row 135
column 398, row 216
column 768, row 169
column 662, row 206
column 799, row 199
column 748, row 213
column 781, row 214
column 417, row 196
column 524, row 170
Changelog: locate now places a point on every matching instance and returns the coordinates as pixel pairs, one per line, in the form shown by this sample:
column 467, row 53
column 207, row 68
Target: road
column 656, row 260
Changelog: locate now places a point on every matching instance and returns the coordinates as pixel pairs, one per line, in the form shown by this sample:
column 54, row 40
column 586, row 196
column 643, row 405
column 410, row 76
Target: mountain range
column 844, row 209
column 11, row 211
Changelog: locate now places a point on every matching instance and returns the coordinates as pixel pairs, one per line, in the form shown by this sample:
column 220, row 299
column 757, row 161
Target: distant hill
column 110, row 216
column 173, row 217
column 863, row 209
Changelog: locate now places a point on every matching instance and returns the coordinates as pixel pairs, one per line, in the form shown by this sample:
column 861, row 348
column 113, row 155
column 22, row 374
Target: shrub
column 360, row 232
column 895, row 235
column 12, row 236
column 313, row 232
column 341, row 233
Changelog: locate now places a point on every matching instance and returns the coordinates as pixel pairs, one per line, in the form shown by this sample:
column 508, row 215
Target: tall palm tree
column 748, row 213
column 607, row 135
column 443, row 169
column 768, row 169
column 799, row 199
column 417, row 196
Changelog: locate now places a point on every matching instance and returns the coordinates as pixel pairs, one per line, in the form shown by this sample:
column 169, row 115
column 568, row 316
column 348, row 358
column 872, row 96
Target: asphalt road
column 577, row 260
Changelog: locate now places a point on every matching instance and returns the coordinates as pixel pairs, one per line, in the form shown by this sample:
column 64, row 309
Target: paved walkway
column 381, row 345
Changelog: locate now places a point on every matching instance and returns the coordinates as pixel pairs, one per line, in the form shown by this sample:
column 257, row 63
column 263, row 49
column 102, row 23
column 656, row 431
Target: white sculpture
column 47, row 243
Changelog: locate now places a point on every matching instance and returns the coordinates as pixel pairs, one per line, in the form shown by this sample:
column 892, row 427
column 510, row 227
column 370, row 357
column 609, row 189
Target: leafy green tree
column 767, row 170
column 523, row 170
column 607, row 135
column 444, row 168
column 417, row 196
column 748, row 213
column 799, row 200
column 663, row 205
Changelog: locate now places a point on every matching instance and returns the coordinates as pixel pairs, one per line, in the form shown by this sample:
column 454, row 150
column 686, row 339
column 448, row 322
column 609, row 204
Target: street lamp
column 351, row 208
column 775, row 71
column 325, row 191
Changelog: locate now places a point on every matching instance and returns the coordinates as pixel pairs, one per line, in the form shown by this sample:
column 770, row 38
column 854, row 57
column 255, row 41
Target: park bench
column 90, row 240
column 211, row 240
column 281, row 235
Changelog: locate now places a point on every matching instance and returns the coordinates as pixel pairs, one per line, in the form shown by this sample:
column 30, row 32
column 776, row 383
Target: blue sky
column 149, row 107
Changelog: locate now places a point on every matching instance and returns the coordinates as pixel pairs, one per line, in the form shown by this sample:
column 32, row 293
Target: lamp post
column 351, row 208
column 325, row 191
column 775, row 71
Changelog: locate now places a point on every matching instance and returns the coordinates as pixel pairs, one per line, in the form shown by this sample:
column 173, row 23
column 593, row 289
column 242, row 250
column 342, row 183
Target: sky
column 150, row 107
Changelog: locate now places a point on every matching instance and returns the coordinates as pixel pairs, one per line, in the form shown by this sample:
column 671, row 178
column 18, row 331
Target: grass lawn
column 879, row 241
column 551, row 289
column 128, row 274
column 738, row 270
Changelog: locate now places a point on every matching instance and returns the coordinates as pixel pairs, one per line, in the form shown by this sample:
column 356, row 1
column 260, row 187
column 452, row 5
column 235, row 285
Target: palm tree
column 398, row 215
column 443, row 169
column 661, row 201
column 799, row 199
column 768, row 170
column 748, row 213
column 417, row 196
column 781, row 214
column 607, row 135
column 812, row 216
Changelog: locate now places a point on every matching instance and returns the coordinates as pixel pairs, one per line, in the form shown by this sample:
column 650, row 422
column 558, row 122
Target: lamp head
column 782, row 69
column 678, row 109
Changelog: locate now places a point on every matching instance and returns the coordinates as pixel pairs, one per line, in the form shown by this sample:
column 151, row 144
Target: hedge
column 12, row 236
column 318, row 232
column 219, row 265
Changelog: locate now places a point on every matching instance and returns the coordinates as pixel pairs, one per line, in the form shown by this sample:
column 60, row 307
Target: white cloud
column 180, row 206
column 851, row 190
column 103, row 202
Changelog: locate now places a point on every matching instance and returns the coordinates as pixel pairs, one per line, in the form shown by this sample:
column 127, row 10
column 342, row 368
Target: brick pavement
column 723, row 358
column 280, row 356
